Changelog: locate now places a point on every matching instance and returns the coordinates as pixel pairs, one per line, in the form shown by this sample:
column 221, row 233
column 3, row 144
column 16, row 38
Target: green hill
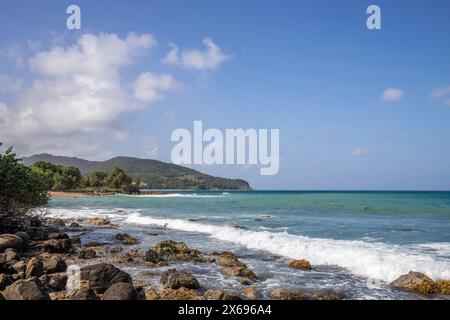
column 155, row 174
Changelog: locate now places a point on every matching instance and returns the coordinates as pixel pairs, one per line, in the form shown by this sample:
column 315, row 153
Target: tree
column 118, row 179
column 97, row 179
column 21, row 188
column 58, row 177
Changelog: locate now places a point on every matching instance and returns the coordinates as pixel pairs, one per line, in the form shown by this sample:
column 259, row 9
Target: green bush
column 21, row 188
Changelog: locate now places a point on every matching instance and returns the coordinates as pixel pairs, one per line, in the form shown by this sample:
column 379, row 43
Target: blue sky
column 310, row 68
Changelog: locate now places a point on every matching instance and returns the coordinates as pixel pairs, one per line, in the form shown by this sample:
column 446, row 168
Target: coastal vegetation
column 151, row 174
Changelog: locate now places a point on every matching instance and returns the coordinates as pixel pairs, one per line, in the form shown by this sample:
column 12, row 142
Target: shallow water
column 356, row 241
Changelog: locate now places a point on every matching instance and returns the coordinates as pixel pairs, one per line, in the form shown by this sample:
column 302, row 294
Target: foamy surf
column 367, row 259
column 174, row 195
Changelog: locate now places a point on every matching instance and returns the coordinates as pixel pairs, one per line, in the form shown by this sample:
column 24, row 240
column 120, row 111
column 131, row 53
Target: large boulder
column 171, row 250
column 82, row 294
column 35, row 268
column 11, row 241
column 443, row 286
column 30, row 289
column 121, row 291
column 53, row 263
column 286, row 294
column 228, row 259
column 57, row 282
column 11, row 255
column 101, row 276
column 175, row 279
column 415, row 281
column 57, row 245
column 24, row 236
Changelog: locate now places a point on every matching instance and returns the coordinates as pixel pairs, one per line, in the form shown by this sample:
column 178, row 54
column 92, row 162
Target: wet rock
column 300, row 264
column 443, row 286
column 76, row 241
column 74, row 225
column 101, row 276
column 10, row 241
column 57, row 246
column 222, row 295
column 59, row 222
column 243, row 282
column 126, row 239
column 121, row 291
column 228, row 259
column 5, row 281
column 87, row 254
column 53, row 264
column 415, row 281
column 2, row 297
column 58, row 235
column 171, row 250
column 180, row 294
column 82, row 294
column 153, row 256
column 175, row 279
column 239, row 272
column 35, row 268
column 92, row 244
column 99, row 222
column 327, row 295
column 213, row 253
column 30, row 289
column 286, row 294
column 251, row 293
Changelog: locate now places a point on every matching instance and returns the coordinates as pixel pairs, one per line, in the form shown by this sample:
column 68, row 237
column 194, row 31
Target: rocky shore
column 40, row 261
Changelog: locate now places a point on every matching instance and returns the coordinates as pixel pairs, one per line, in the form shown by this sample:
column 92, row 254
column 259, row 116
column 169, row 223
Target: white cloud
column 15, row 53
column 151, row 146
column 77, row 92
column 7, row 84
column 360, row 152
column 442, row 94
column 208, row 59
column 148, row 86
column 392, row 95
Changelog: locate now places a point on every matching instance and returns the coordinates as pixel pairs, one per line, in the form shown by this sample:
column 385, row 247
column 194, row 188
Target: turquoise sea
column 357, row 242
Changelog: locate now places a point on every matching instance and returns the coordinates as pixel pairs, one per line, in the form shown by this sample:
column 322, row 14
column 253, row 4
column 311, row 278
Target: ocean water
column 357, row 242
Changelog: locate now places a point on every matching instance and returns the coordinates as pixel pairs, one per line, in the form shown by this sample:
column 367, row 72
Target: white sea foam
column 175, row 195
column 372, row 260
column 368, row 259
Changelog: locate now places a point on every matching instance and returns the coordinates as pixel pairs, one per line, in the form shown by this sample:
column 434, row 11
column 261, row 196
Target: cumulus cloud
column 15, row 53
column 392, row 95
column 151, row 146
column 148, row 86
column 7, row 84
column 208, row 59
column 360, row 152
column 77, row 91
column 442, row 94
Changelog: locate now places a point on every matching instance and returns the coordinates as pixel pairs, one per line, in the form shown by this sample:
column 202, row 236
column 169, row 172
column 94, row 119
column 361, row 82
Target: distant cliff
column 153, row 173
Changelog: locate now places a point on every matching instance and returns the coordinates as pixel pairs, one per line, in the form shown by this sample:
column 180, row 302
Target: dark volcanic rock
column 58, row 282
column 58, row 235
column 101, row 276
column 57, row 245
column 87, row 254
column 30, row 289
column 126, row 239
column 171, row 250
column 121, row 291
column 175, row 279
column 152, row 256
